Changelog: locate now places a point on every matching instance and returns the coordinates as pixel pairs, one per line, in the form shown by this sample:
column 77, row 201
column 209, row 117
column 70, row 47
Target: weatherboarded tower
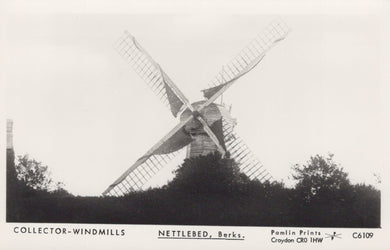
column 202, row 144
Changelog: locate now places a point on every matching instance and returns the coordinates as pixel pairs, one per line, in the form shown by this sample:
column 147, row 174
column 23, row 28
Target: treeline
column 210, row 190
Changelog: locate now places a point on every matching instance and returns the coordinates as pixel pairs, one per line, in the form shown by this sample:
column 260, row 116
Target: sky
column 80, row 109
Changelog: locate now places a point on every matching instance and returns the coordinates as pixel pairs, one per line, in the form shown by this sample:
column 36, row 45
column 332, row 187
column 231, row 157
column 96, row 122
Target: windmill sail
column 151, row 162
column 150, row 71
column 249, row 57
column 144, row 170
column 243, row 156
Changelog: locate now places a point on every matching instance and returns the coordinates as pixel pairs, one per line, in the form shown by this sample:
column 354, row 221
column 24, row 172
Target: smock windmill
column 204, row 126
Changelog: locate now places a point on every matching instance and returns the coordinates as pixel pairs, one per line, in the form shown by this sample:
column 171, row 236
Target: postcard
column 160, row 124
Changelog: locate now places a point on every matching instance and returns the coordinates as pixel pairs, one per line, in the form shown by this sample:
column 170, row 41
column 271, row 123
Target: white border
column 145, row 236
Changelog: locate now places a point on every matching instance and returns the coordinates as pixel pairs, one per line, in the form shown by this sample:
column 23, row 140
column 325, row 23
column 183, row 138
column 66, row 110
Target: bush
column 210, row 190
column 206, row 175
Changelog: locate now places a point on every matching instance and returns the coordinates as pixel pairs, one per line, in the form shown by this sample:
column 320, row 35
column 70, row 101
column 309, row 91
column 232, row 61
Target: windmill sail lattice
column 150, row 71
column 240, row 152
column 249, row 57
column 146, row 169
column 151, row 162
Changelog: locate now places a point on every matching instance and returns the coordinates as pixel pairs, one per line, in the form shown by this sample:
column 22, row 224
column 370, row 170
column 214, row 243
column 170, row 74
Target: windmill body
column 204, row 126
column 212, row 114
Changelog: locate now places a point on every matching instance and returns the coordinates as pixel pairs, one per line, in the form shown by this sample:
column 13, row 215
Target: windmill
column 204, row 126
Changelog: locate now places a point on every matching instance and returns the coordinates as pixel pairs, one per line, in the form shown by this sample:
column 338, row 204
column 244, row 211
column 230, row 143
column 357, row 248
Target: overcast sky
column 80, row 109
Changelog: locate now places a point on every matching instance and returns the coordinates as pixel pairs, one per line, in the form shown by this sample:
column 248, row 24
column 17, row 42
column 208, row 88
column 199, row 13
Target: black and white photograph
column 228, row 125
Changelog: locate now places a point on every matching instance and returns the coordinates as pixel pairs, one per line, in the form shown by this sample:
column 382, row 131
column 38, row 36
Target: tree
column 207, row 174
column 319, row 175
column 33, row 173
